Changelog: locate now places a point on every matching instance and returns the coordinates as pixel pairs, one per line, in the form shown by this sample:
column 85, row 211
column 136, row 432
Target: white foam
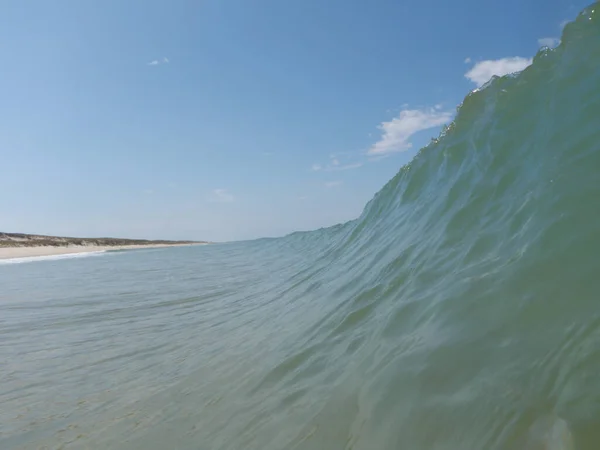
column 27, row 259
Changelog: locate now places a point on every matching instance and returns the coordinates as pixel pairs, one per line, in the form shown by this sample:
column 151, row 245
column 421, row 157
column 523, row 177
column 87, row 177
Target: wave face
column 461, row 310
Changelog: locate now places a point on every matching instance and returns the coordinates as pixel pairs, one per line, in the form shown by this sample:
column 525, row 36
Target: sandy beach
column 24, row 252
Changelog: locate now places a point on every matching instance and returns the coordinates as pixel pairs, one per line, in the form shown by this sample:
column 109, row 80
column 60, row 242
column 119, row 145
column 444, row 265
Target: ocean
column 460, row 311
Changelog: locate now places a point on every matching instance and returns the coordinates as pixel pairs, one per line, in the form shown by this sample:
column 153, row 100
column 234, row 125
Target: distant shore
column 16, row 245
column 25, row 252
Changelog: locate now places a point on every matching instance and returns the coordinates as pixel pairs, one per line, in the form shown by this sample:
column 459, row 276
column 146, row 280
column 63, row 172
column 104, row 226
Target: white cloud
column 549, row 42
column 346, row 166
column 335, row 165
column 331, row 184
column 220, row 196
column 468, row 60
column 484, row 70
column 158, row 62
column 398, row 131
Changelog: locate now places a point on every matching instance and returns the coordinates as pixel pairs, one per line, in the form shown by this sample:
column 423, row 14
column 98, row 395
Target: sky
column 234, row 119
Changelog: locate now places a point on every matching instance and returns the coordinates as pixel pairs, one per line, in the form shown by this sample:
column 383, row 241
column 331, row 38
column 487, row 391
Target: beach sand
column 24, row 252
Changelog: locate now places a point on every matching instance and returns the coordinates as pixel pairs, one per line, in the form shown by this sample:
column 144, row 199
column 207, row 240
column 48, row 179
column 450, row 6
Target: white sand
column 24, row 252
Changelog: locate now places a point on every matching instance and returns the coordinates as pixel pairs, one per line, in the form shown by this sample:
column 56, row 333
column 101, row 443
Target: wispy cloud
column 332, row 184
column 549, row 42
column 148, row 191
column 347, row 166
column 158, row 62
column 553, row 42
column 397, row 132
column 483, row 71
column 468, row 60
column 335, row 165
column 221, row 196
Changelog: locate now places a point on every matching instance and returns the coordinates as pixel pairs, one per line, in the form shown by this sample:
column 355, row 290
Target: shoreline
column 29, row 252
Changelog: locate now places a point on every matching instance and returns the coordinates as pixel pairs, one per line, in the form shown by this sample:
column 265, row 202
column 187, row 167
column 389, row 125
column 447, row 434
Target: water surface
column 460, row 311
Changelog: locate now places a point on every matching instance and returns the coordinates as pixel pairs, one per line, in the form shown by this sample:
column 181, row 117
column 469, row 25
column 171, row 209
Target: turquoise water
column 460, row 311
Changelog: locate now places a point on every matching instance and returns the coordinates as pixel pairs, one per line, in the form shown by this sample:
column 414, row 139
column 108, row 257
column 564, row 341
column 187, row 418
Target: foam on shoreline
column 25, row 254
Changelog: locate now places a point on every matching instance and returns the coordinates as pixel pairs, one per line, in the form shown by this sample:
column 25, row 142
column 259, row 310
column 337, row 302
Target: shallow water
column 460, row 311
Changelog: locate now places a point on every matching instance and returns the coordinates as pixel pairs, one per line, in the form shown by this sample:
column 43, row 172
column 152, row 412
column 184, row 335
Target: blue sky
column 234, row 119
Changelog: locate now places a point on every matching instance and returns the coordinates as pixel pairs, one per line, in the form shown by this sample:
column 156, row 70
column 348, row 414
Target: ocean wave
column 459, row 311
